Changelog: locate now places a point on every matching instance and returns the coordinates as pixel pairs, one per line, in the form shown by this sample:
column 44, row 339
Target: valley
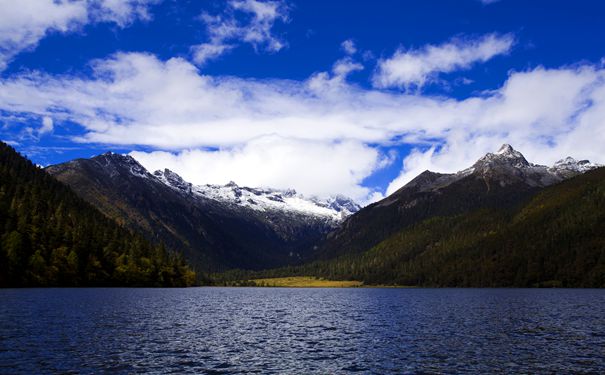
column 501, row 222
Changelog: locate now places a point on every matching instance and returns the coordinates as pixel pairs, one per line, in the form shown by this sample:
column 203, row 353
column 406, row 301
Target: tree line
column 556, row 239
column 51, row 237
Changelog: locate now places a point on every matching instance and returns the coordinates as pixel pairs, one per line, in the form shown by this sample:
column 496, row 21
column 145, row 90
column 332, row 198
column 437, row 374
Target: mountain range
column 501, row 222
column 216, row 227
column 497, row 180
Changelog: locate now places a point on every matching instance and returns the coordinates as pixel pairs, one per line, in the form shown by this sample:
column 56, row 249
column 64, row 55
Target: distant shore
column 307, row 282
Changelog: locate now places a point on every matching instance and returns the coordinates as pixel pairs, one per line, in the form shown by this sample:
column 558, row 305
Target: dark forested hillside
column 414, row 203
column 499, row 180
column 51, row 237
column 557, row 238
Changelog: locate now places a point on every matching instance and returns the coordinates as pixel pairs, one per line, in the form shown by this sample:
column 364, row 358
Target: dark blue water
column 265, row 330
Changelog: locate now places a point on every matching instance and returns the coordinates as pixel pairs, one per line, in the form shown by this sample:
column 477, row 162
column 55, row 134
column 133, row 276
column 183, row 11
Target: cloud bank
column 321, row 135
column 416, row 67
column 312, row 167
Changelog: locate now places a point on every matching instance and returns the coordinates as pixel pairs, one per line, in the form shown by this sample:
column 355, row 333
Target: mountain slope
column 216, row 227
column 555, row 239
column 51, row 237
column 500, row 180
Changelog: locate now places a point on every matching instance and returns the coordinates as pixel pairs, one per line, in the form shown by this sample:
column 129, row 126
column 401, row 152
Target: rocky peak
column 263, row 199
column 506, row 166
column 572, row 164
column 112, row 157
column 172, row 179
column 339, row 203
column 505, row 156
column 120, row 163
column 508, row 151
column 569, row 167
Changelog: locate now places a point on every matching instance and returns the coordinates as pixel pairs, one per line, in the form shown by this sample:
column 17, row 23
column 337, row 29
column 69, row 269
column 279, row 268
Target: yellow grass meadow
column 306, row 282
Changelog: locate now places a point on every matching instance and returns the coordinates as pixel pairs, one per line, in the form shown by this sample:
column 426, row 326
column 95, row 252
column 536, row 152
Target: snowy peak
column 173, row 180
column 573, row 165
column 267, row 200
column 510, row 166
column 508, row 151
column 120, row 164
column 340, row 203
column 507, row 166
column 263, row 199
column 506, row 155
column 116, row 159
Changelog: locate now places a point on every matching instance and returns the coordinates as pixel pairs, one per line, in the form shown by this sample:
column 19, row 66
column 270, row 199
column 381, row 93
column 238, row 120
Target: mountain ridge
column 553, row 238
column 51, row 237
column 500, row 179
column 213, row 230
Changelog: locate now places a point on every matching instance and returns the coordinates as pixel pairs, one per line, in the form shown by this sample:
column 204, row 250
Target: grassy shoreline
column 308, row 282
column 304, row 282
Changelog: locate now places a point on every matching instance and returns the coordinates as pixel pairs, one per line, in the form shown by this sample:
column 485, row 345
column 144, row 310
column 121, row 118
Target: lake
column 273, row 330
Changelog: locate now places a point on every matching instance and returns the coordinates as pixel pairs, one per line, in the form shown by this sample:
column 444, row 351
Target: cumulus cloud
column 312, row 167
column 244, row 21
column 546, row 114
column 348, row 46
column 24, row 23
column 344, row 67
column 47, row 125
column 416, row 67
column 320, row 135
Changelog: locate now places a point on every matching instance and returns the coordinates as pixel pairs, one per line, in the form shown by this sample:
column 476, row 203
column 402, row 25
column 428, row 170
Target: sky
column 326, row 97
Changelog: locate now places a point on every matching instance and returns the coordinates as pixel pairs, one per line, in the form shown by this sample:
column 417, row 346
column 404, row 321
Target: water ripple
column 274, row 331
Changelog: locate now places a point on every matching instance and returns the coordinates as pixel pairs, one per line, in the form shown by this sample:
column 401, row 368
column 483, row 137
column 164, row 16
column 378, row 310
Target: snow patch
column 265, row 199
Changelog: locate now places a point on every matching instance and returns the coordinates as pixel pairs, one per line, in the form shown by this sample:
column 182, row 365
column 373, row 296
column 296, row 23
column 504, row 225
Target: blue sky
column 350, row 97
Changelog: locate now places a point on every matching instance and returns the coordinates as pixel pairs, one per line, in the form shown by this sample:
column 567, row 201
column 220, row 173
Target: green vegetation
column 557, row 238
column 50, row 237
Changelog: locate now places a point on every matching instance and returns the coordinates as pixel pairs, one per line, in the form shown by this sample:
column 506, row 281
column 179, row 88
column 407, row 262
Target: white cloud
column 23, row 25
column 319, row 135
column 244, row 21
column 47, row 125
column 545, row 114
column 205, row 52
column 344, row 67
column 416, row 67
column 122, row 12
column 349, row 47
column 312, row 167
column 25, row 22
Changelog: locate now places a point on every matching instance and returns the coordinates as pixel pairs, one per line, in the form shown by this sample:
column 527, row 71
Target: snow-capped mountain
column 229, row 226
column 216, row 227
column 264, row 199
column 508, row 161
column 570, row 167
column 507, row 166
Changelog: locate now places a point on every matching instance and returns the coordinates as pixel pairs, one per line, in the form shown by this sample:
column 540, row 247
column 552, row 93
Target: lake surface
column 266, row 330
